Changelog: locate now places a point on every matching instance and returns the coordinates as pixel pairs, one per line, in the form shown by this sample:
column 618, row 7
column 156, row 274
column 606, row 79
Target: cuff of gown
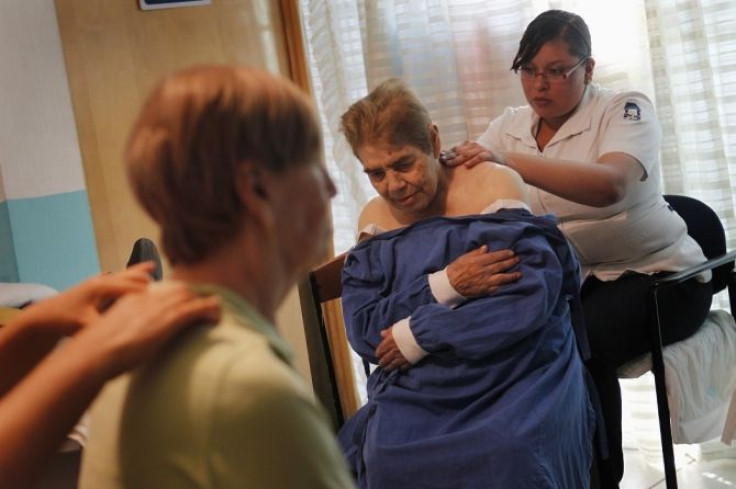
column 443, row 291
column 406, row 342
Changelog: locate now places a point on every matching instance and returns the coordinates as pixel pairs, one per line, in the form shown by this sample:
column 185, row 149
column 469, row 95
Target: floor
column 711, row 465
column 692, row 473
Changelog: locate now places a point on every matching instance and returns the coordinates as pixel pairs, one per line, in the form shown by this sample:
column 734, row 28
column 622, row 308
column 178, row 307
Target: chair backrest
column 329, row 356
column 145, row 250
column 704, row 226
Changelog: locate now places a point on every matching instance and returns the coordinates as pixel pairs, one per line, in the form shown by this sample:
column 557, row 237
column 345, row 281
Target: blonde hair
column 391, row 113
column 195, row 129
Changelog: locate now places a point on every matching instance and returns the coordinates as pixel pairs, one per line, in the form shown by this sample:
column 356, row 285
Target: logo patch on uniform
column 632, row 111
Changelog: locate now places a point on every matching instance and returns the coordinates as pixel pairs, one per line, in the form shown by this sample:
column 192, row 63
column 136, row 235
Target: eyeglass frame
column 546, row 76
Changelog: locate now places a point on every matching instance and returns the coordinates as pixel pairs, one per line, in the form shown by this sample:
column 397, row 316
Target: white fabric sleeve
column 406, row 342
column 632, row 127
column 499, row 204
column 369, row 231
column 443, row 291
column 491, row 137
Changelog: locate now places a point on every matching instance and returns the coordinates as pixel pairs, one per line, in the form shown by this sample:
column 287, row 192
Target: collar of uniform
column 525, row 128
column 231, row 301
column 580, row 119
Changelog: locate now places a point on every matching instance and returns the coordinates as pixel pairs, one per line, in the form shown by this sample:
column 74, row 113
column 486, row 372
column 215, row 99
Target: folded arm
column 477, row 327
column 376, row 308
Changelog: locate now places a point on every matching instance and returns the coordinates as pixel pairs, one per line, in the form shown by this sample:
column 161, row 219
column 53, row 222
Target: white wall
column 39, row 153
column 46, row 231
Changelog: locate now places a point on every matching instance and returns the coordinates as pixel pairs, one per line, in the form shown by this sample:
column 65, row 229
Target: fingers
column 479, row 272
column 499, row 279
column 386, row 345
column 109, row 286
column 458, row 155
column 175, row 302
column 145, row 266
column 396, row 364
column 481, row 257
column 470, row 154
column 140, row 324
column 199, row 308
column 480, row 251
column 388, row 353
column 448, row 157
column 393, row 360
column 138, row 273
column 498, row 261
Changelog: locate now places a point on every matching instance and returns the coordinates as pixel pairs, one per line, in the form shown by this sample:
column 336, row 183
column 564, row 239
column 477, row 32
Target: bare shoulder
column 494, row 174
column 489, row 182
column 377, row 212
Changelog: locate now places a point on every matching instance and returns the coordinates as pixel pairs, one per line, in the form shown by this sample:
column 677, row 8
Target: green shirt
column 222, row 408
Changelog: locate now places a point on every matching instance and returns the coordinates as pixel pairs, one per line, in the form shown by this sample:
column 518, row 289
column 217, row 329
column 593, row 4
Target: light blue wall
column 52, row 238
column 8, row 266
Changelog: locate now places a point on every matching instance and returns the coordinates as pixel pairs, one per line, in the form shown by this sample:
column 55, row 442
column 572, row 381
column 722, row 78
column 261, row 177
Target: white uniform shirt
column 640, row 233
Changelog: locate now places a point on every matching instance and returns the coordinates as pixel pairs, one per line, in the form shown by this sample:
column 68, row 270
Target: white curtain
column 456, row 54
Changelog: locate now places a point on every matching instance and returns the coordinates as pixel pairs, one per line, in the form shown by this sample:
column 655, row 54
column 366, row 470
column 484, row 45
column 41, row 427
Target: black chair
column 145, row 250
column 705, row 227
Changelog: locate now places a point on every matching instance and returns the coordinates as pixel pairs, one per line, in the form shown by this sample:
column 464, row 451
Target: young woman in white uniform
column 591, row 156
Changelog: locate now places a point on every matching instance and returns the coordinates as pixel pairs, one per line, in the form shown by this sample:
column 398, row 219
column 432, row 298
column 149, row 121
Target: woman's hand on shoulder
column 140, row 323
column 470, row 153
column 67, row 312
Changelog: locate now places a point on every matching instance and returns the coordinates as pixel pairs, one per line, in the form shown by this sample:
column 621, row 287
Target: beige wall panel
column 114, row 54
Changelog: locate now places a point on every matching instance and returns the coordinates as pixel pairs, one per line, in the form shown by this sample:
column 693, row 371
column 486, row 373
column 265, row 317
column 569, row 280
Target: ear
column 253, row 194
column 589, row 67
column 434, row 134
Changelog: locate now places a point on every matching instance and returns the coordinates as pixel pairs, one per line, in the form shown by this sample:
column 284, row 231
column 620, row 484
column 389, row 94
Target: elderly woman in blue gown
column 464, row 299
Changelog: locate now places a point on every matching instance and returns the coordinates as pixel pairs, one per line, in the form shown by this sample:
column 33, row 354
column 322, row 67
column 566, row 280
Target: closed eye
column 375, row 175
column 403, row 165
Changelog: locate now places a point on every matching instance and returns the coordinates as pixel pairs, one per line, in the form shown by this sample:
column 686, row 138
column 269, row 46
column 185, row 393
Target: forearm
column 22, row 346
column 589, row 183
column 38, row 413
column 367, row 313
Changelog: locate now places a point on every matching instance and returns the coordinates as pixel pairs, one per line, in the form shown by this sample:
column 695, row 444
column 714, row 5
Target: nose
column 540, row 81
column 329, row 184
column 395, row 182
column 331, row 189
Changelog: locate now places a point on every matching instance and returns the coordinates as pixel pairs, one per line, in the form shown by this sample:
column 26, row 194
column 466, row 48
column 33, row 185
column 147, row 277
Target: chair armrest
column 689, row 273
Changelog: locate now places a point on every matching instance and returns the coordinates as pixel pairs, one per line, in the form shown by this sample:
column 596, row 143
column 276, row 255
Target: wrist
column 406, row 342
column 99, row 358
column 39, row 319
column 442, row 289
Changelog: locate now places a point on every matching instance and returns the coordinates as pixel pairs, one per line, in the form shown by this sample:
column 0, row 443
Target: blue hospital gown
column 500, row 400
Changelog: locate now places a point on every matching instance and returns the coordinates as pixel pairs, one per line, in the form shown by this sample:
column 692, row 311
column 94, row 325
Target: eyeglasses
column 553, row 75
